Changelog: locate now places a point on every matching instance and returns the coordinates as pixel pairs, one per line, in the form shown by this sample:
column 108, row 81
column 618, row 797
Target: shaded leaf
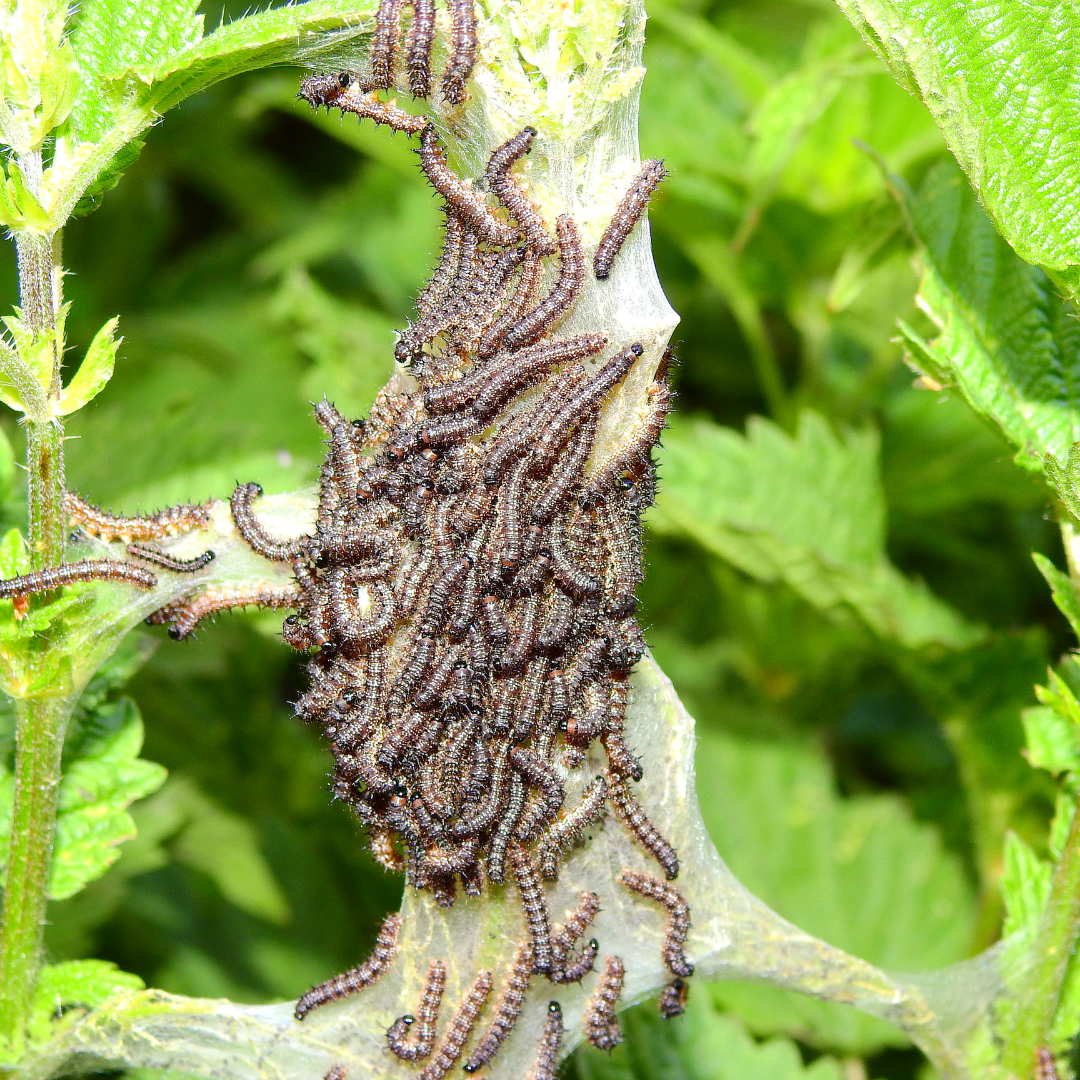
column 806, row 510
column 223, row 845
column 1007, row 341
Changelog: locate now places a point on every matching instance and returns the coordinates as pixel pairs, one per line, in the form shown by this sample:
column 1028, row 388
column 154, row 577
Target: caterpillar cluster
column 469, row 594
column 467, row 600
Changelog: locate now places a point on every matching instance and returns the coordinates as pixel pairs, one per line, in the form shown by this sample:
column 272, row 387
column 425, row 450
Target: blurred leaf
column 857, row 872
column 94, row 372
column 349, row 345
column 967, row 61
column 702, row 1044
column 1007, row 341
column 806, row 510
column 223, row 845
column 747, row 71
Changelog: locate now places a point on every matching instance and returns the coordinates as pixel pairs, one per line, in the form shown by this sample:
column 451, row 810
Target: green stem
column 1038, row 995
column 41, row 720
column 40, row 734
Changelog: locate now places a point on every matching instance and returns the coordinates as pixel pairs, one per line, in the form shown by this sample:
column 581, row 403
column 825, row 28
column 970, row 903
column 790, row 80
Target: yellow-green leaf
column 94, row 372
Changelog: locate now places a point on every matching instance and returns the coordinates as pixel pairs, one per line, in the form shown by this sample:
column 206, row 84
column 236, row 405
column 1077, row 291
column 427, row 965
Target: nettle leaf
column 94, row 372
column 1025, row 887
column 808, row 511
column 1063, row 589
column 1001, row 79
column 95, row 793
column 114, row 37
column 1053, row 742
column 1007, row 340
column 857, row 872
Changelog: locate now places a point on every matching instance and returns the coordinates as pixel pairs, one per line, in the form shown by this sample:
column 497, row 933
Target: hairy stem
column 40, row 734
column 42, row 719
column 1040, row 992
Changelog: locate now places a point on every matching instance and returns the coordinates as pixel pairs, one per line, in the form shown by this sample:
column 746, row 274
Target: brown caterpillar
column 358, row 978
column 678, row 917
column 463, row 46
column 631, row 208
column 629, row 811
column 461, row 1027
column 547, row 1058
column 534, row 901
column 53, row 577
column 185, row 615
column 418, row 47
column 459, row 195
column 168, row 522
column 601, row 1024
column 400, row 1035
column 672, row 1000
column 563, row 294
column 502, row 184
column 508, row 1009
column 384, row 44
column 255, row 537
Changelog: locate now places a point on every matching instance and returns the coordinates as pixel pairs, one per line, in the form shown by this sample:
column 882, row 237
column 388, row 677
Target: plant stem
column 42, row 719
column 1037, row 995
column 40, row 735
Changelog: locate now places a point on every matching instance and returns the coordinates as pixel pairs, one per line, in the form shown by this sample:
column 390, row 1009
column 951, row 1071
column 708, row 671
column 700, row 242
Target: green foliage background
column 840, row 583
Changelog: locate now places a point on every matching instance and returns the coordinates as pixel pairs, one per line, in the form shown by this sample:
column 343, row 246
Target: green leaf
column 1006, row 340
column 94, row 372
column 94, row 796
column 806, row 510
column 141, row 60
column 116, row 37
column 857, row 872
column 86, row 983
column 1053, row 741
column 1000, row 79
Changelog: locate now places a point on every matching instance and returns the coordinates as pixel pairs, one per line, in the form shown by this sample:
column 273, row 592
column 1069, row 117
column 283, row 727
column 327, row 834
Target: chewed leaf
column 87, row 983
column 94, row 372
